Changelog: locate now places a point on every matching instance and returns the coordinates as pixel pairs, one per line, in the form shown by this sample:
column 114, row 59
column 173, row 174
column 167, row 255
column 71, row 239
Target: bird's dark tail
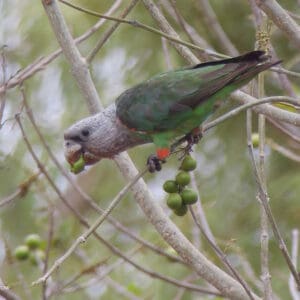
column 263, row 64
column 257, row 56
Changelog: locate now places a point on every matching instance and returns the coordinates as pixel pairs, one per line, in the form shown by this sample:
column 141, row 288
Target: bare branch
column 294, row 253
column 21, row 190
column 264, row 234
column 6, row 293
column 283, row 151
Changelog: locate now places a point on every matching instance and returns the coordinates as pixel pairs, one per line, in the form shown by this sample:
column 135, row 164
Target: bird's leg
column 191, row 138
column 194, row 137
column 154, row 161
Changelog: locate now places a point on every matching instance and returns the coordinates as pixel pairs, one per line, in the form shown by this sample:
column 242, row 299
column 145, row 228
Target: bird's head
column 99, row 136
column 79, row 141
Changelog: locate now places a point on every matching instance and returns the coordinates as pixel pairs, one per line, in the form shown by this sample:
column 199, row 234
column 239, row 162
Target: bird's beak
column 74, row 148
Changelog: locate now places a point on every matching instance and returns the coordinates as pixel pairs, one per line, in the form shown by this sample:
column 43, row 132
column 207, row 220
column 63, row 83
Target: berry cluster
column 31, row 249
column 179, row 195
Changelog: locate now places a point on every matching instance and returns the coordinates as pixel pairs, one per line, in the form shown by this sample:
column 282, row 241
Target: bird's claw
column 154, row 163
column 193, row 137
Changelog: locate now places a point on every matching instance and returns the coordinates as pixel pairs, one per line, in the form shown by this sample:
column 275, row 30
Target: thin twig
column 121, row 290
column 174, row 38
column 283, row 151
column 48, row 248
column 3, row 93
column 193, row 35
column 264, row 198
column 211, row 20
column 264, row 238
column 7, row 294
column 92, row 228
column 110, row 31
column 294, row 254
column 21, row 190
column 222, row 256
column 284, row 71
column 246, row 106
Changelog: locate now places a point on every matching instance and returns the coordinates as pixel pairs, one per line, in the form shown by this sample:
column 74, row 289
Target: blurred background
column 224, row 177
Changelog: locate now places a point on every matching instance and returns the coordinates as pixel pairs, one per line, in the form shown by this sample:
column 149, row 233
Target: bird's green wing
column 165, row 101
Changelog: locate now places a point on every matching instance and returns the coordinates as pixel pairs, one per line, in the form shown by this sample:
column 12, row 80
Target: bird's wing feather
column 166, row 100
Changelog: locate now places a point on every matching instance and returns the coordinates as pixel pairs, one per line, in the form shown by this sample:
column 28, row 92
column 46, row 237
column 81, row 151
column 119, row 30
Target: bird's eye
column 85, row 132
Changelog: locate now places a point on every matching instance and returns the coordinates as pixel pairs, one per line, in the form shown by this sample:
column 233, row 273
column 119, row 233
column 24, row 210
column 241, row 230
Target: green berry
column 174, row 201
column 170, row 186
column 181, row 211
column 189, row 196
column 37, row 256
column 21, row 252
column 33, row 241
column 183, row 178
column 78, row 166
column 188, row 164
column 255, row 139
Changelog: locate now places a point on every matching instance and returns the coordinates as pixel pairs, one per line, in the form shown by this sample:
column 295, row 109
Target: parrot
column 166, row 109
column 176, row 103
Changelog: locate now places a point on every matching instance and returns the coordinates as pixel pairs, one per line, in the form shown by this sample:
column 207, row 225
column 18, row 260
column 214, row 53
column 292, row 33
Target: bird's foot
column 154, row 163
column 191, row 138
column 194, row 136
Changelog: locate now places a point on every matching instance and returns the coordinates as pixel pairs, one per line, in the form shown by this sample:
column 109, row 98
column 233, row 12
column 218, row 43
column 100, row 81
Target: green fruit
column 21, row 252
column 170, row 186
column 255, row 139
column 78, row 166
column 181, row 211
column 174, row 201
column 188, row 164
column 189, row 196
column 183, row 178
column 37, row 256
column 33, row 241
